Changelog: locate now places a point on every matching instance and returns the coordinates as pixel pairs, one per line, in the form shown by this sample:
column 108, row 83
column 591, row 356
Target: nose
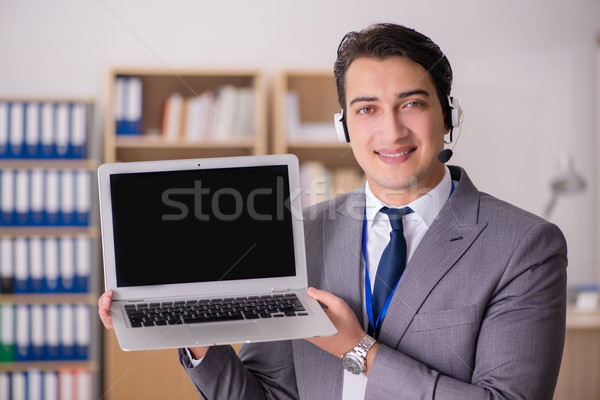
column 391, row 126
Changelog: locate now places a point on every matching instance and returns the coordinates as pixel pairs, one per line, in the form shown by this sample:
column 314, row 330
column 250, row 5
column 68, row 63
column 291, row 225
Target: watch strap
column 363, row 347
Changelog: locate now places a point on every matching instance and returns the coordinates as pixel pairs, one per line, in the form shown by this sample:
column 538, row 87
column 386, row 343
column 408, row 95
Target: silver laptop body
column 223, row 236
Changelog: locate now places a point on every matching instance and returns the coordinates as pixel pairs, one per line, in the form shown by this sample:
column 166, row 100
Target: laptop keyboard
column 213, row 310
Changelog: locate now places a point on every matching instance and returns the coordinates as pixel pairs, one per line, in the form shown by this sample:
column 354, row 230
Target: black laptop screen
column 202, row 225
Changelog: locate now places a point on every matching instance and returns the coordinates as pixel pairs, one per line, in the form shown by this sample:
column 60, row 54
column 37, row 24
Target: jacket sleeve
column 262, row 371
column 520, row 341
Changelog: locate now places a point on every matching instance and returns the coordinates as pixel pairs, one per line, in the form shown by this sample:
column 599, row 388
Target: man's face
column 396, row 127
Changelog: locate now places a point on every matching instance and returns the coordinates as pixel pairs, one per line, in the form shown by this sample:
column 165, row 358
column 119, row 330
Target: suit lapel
column 445, row 242
column 342, row 244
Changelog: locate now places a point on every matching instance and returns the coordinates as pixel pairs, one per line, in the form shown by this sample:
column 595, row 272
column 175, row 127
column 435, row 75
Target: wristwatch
column 354, row 360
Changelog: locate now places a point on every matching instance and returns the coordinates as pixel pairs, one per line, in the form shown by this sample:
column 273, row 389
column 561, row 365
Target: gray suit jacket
column 479, row 312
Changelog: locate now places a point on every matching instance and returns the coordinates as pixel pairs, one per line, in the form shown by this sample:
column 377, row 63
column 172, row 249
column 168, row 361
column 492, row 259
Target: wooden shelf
column 53, row 231
column 48, row 164
column 49, row 365
column 49, row 298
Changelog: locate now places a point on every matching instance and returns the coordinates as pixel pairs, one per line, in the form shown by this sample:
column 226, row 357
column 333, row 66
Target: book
column 79, row 130
column 3, row 129
column 132, row 106
column 225, row 114
column 83, row 197
column 50, row 385
column 51, row 197
column 33, row 147
column 21, row 264
column 52, row 332
column 172, row 115
column 7, row 333
column 36, row 178
column 17, row 130
column 67, row 265
column 83, row 263
column 67, row 197
column 63, row 128
column 38, row 334
column 51, row 265
column 36, row 265
column 22, row 197
column 7, row 197
column 47, row 132
column 6, row 266
column 22, row 333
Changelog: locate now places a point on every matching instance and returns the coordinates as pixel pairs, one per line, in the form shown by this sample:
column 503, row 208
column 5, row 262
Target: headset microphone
column 444, row 155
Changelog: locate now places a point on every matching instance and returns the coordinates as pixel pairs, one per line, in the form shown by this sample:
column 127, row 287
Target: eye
column 365, row 110
column 414, row 105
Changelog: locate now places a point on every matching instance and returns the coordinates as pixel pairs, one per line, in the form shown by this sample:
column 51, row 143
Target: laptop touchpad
column 208, row 334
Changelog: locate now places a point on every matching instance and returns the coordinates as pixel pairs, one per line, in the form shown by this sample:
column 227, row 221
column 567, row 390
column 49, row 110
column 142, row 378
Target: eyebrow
column 401, row 95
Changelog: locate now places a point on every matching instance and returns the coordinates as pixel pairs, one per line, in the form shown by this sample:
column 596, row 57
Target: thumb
column 321, row 296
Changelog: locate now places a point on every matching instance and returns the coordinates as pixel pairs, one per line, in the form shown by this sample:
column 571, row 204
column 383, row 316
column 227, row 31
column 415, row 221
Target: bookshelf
column 49, row 248
column 156, row 87
column 304, row 102
column 157, row 374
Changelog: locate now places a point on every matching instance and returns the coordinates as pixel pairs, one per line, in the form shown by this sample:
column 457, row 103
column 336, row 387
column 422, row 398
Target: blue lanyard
column 368, row 291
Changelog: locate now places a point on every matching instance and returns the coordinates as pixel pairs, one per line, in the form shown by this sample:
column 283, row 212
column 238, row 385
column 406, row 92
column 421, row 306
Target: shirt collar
column 427, row 207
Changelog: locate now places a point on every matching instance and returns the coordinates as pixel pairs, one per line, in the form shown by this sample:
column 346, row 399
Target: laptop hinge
column 279, row 290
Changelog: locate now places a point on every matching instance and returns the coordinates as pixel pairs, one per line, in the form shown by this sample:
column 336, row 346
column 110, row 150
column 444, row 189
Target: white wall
column 525, row 72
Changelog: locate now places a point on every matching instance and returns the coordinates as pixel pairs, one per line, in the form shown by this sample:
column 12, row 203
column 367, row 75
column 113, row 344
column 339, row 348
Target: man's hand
column 349, row 330
column 104, row 303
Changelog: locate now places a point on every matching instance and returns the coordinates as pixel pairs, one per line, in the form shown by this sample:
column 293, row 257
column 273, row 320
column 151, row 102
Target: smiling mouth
column 398, row 154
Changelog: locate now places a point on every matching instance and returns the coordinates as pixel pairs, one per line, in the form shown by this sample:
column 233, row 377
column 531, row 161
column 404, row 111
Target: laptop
column 206, row 252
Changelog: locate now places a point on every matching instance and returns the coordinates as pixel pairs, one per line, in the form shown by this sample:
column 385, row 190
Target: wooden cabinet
column 580, row 368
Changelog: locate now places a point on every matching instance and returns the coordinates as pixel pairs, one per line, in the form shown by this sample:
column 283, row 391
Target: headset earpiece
column 454, row 114
column 340, row 127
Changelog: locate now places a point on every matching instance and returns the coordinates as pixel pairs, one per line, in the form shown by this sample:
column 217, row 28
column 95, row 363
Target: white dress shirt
column 426, row 209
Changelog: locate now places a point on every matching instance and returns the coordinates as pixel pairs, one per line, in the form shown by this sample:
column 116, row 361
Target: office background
column 525, row 72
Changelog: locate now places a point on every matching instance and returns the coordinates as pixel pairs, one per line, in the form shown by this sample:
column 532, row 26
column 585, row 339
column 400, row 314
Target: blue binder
column 33, row 148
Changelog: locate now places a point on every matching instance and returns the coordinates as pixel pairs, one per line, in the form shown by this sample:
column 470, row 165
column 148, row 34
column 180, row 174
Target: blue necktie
column 392, row 262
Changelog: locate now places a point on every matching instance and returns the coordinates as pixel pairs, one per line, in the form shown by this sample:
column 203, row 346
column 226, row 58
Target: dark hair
column 386, row 40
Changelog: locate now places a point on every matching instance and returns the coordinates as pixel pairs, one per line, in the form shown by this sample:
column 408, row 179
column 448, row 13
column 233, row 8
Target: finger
column 322, row 296
column 104, row 303
column 105, row 318
column 105, row 300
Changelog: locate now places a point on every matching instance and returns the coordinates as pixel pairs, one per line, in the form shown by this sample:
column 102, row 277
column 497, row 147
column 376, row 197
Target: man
column 479, row 311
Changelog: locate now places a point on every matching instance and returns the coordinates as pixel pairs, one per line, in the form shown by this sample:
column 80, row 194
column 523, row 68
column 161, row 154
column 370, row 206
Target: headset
column 453, row 119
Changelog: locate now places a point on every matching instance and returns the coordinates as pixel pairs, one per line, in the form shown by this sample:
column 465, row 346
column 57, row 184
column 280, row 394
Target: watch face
column 352, row 365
